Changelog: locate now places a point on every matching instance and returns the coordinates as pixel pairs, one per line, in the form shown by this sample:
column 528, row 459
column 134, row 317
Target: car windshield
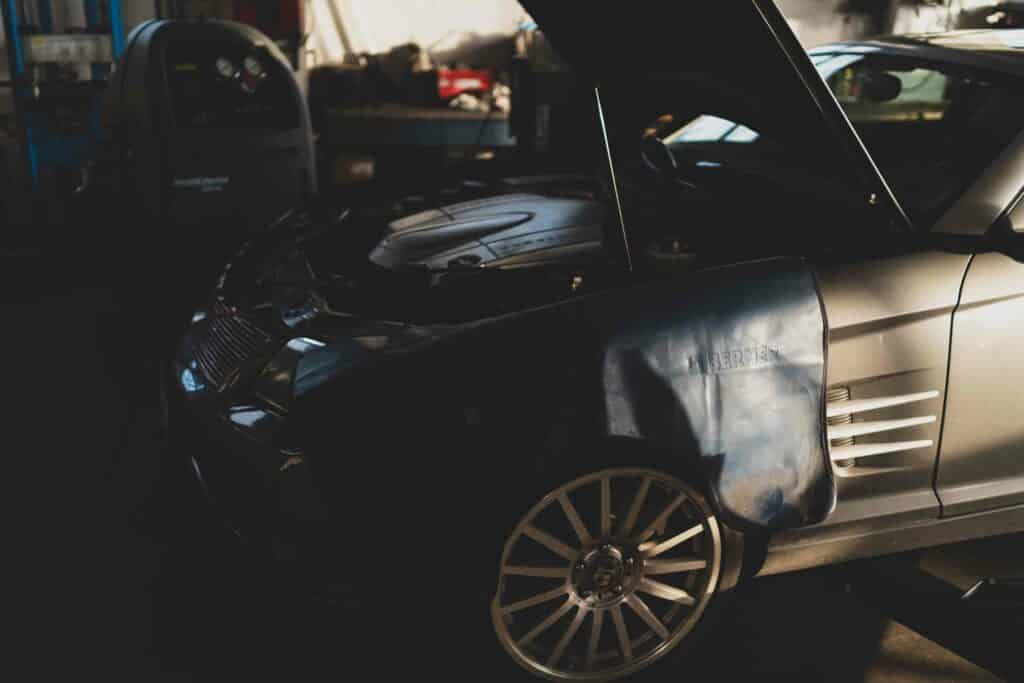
column 931, row 127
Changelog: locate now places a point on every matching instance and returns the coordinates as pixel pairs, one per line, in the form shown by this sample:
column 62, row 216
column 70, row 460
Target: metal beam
column 116, row 28
column 16, row 65
column 14, row 54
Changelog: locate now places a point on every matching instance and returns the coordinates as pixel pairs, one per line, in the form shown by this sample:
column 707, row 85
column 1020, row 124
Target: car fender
column 732, row 370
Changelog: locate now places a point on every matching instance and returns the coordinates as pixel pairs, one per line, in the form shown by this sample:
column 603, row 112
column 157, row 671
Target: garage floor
column 125, row 575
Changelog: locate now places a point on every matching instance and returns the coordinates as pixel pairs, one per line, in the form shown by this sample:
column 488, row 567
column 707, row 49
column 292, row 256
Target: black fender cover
column 734, row 368
column 722, row 368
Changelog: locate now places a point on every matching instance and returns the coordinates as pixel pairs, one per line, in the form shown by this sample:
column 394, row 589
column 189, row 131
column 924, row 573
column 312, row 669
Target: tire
column 440, row 601
column 621, row 549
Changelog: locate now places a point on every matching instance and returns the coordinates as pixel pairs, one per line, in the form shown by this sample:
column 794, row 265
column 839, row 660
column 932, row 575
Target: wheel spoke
column 634, row 507
column 549, row 542
column 606, row 506
column 539, row 572
column 659, row 521
column 595, row 638
column 567, row 637
column 538, row 599
column 689, row 564
column 546, row 624
column 665, row 546
column 623, row 634
column 574, row 518
column 665, row 591
column 645, row 613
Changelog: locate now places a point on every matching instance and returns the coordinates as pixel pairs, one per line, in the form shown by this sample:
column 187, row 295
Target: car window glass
column 709, row 128
column 829, row 65
column 932, row 128
column 924, row 95
column 703, row 171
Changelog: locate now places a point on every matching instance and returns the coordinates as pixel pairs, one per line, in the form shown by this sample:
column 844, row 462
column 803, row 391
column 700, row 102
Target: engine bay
column 480, row 257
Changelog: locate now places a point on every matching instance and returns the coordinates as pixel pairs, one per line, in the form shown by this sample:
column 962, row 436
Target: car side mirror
column 1007, row 234
column 1016, row 220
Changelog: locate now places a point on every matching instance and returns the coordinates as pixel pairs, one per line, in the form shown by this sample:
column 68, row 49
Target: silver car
column 795, row 348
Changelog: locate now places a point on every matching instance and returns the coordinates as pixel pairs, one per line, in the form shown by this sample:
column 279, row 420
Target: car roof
column 989, row 49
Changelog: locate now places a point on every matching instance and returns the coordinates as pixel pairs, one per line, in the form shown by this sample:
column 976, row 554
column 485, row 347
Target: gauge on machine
column 253, row 67
column 226, row 68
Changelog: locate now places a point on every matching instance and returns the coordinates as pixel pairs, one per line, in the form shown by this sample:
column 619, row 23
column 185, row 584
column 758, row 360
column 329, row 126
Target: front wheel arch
column 744, row 549
column 560, row 478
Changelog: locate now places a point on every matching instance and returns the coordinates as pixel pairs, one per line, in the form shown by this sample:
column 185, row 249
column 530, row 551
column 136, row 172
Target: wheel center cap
column 606, row 571
column 602, row 574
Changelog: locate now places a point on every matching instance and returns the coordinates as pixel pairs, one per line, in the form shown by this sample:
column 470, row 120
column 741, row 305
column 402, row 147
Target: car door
column 982, row 458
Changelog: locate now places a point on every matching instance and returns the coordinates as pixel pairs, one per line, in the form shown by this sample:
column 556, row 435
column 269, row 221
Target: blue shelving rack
column 51, row 140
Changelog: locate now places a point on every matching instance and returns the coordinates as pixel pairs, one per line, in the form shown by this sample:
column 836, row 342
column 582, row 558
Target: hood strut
column 615, row 184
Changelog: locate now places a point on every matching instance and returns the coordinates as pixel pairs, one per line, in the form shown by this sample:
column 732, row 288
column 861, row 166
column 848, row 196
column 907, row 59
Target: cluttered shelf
column 398, row 111
column 402, row 124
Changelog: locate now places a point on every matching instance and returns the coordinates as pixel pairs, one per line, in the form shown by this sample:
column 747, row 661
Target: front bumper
column 253, row 470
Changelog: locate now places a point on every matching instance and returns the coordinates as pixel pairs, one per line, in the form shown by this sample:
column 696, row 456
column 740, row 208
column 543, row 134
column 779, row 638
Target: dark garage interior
column 690, row 326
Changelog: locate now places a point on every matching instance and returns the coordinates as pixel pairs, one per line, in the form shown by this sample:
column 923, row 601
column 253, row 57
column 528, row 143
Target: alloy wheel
column 606, row 575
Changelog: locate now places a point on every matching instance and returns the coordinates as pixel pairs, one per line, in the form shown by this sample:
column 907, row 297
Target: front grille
column 227, row 341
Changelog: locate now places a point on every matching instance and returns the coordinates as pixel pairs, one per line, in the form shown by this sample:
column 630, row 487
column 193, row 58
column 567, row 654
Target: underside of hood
column 743, row 46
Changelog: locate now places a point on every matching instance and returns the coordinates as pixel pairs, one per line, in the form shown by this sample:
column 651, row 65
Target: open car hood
column 743, row 46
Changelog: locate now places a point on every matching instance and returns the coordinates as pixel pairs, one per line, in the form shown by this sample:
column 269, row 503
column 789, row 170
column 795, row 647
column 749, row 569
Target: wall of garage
column 817, row 22
column 925, row 18
column 340, row 27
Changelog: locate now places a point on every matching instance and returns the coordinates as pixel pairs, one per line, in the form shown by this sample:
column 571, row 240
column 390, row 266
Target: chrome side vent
column 838, row 421
column 843, row 431
column 865, row 405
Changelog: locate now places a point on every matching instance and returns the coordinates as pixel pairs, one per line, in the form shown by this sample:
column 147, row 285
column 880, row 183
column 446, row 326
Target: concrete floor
column 125, row 575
